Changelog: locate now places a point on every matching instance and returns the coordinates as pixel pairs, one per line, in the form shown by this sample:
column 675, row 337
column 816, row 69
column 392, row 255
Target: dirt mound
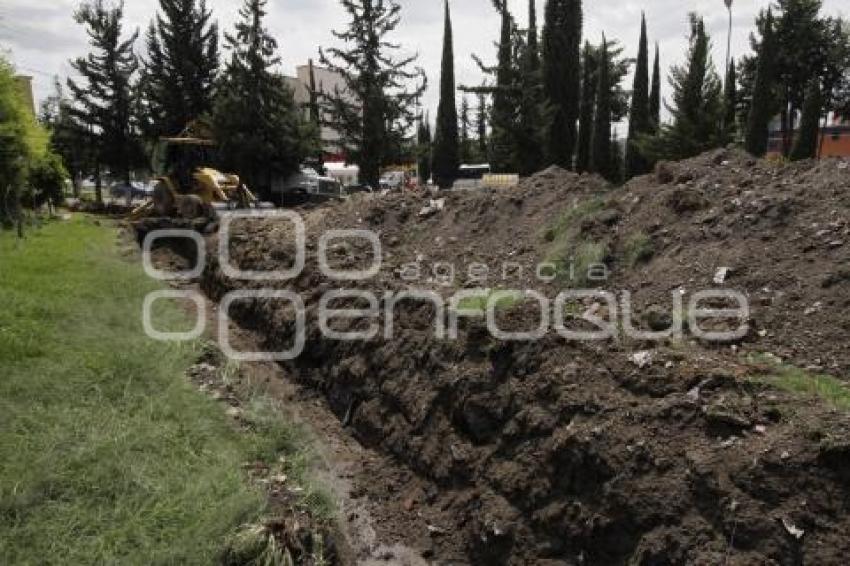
column 778, row 234
column 558, row 452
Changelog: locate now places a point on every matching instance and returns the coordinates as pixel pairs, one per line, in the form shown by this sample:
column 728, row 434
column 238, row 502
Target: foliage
column 761, row 106
column 47, row 178
column 481, row 127
column 601, row 157
column 530, row 123
column 640, row 119
column 588, row 104
column 68, row 138
column 697, row 104
column 562, row 77
column 179, row 73
column 22, row 143
column 260, row 131
column 104, row 97
column 423, row 138
column 503, row 116
column 446, row 150
column 730, row 104
column 655, row 92
column 376, row 110
column 467, row 151
column 806, row 144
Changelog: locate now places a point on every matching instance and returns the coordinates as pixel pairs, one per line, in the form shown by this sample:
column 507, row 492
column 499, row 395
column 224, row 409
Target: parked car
column 393, row 180
column 306, row 186
column 137, row 189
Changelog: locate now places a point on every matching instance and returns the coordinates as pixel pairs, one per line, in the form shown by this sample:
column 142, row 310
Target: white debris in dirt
column 694, row 394
column 792, row 529
column 760, row 429
column 843, row 165
column 233, row 412
column 721, row 275
column 814, row 308
column 433, row 208
column 642, row 359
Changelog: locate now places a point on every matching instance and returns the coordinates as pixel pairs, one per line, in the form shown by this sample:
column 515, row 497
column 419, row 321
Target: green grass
column 572, row 257
column 637, row 249
column 572, row 218
column 479, row 303
column 800, row 382
column 107, row 453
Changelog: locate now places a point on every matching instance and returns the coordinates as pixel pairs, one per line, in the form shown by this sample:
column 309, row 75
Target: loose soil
column 559, row 452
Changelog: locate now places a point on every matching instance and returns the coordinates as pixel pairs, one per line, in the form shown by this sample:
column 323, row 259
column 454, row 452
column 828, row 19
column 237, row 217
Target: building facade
column 834, row 140
column 327, row 81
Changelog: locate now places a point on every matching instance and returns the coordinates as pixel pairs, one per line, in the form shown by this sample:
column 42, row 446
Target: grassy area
column 107, row 453
column 507, row 300
column 573, row 258
column 637, row 249
column 798, row 381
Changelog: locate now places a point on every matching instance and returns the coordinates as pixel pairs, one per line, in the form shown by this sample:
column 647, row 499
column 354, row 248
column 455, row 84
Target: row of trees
column 547, row 92
column 121, row 104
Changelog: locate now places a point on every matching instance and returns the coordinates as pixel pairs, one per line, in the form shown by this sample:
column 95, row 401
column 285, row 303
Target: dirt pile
column 558, row 452
column 778, row 234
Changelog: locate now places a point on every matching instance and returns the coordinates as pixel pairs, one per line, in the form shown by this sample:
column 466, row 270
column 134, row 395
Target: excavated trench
column 551, row 451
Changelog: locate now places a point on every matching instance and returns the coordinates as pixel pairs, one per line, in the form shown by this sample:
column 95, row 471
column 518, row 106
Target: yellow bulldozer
column 190, row 187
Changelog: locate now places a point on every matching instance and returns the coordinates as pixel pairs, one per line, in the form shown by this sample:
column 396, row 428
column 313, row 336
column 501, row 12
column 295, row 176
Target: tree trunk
column 786, row 142
column 822, row 134
column 98, row 184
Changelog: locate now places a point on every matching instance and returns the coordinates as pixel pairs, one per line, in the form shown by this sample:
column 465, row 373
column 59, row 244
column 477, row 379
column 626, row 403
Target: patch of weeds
column 637, row 249
column 575, row 266
column 479, row 303
column 801, row 382
column 571, row 218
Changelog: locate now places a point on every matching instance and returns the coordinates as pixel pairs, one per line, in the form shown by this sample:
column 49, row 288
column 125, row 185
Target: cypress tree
column 465, row 124
column 588, row 103
column 104, row 98
column 180, row 71
column 640, row 120
column 481, row 126
column 503, row 116
column 531, row 125
column 261, row 132
column 446, row 156
column 601, row 158
column 697, row 104
column 423, row 138
column 655, row 93
column 562, row 77
column 806, row 144
column 758, row 121
column 373, row 113
column 730, row 104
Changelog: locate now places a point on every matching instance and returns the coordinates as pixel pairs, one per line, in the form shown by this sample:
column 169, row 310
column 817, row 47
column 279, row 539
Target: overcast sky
column 41, row 36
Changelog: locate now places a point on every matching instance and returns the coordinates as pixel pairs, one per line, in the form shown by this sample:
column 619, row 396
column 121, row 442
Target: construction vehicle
column 190, row 187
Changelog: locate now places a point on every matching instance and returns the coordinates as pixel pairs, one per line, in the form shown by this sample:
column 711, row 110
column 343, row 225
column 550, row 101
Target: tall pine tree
column 104, row 96
column 261, row 133
column 481, row 127
column 588, row 104
column 562, row 77
column 531, row 126
column 655, row 93
column 423, row 153
column 761, row 105
column 180, row 71
column 465, row 125
column 697, row 104
column 446, row 156
column 640, row 119
column 503, row 115
column 601, row 157
column 376, row 109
